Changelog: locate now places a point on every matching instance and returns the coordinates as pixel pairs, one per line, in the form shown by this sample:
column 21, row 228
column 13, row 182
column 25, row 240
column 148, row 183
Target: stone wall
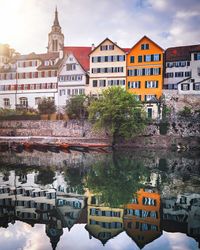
column 181, row 132
column 176, row 102
column 71, row 128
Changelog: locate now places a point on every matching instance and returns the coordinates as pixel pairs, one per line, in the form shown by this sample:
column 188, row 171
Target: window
column 147, row 58
column 185, row 86
column 187, row 74
column 94, row 83
column 102, row 83
column 134, row 85
column 62, row 92
column 179, row 74
column 139, row 58
column 23, row 101
column 196, row 86
column 68, row 92
column 151, row 84
column 107, row 47
column 197, row 56
column 6, row 102
column 169, row 75
column 156, row 57
column 132, row 59
column 144, row 46
column 198, row 71
column 71, row 66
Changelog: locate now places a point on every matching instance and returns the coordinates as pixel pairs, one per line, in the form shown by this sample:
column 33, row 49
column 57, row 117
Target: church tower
column 56, row 37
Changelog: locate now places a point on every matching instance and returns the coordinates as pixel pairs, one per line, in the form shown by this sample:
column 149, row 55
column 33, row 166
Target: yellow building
column 104, row 222
column 142, row 217
column 107, row 67
column 145, row 70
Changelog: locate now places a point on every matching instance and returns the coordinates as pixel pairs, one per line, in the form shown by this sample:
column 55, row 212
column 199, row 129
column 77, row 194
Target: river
column 122, row 200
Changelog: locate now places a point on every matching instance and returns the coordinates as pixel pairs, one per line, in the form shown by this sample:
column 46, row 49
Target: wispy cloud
column 84, row 22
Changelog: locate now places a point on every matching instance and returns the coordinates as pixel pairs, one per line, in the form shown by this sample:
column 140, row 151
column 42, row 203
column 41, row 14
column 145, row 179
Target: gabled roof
column 181, row 53
column 81, row 54
column 146, row 37
column 107, row 39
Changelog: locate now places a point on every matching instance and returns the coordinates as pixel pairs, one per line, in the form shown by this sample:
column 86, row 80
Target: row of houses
column 145, row 70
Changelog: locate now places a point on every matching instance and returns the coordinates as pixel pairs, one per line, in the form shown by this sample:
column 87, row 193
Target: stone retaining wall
column 179, row 132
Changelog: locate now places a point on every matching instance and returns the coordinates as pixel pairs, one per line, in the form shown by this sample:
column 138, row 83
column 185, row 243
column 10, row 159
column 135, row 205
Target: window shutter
column 188, row 86
column 145, row 84
column 195, row 56
column 92, row 59
column 181, row 86
column 139, row 84
column 193, row 86
column 151, row 71
column 159, row 57
column 156, row 84
column 152, row 58
column 159, row 70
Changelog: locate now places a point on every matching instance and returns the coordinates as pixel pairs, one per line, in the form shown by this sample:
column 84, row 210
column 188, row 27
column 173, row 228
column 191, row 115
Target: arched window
column 23, row 101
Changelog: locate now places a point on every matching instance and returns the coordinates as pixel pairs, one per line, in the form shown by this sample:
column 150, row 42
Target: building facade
column 107, row 67
column 145, row 70
column 73, row 74
column 182, row 69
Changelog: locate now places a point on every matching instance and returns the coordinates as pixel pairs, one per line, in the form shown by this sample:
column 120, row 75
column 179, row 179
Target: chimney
column 93, row 47
column 61, row 54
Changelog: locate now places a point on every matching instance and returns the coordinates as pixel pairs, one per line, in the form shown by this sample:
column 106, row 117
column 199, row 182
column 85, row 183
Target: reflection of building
column 182, row 214
column 142, row 217
column 104, row 222
column 35, row 204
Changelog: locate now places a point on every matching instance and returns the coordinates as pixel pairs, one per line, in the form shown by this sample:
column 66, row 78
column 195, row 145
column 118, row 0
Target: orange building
column 145, row 70
column 142, row 217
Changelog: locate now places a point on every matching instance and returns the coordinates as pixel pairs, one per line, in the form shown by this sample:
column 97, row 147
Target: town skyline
column 98, row 20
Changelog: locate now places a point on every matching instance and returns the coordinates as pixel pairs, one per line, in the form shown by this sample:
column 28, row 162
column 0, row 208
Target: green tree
column 118, row 112
column 76, row 107
column 46, row 106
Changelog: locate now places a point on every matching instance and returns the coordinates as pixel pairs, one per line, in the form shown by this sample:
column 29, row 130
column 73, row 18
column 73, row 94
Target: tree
column 116, row 179
column 76, row 108
column 118, row 112
column 46, row 106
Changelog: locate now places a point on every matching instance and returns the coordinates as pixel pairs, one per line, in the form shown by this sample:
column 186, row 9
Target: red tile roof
column 81, row 54
column 180, row 53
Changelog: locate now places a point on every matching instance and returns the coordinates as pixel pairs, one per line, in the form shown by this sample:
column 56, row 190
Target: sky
column 25, row 24
column 23, row 236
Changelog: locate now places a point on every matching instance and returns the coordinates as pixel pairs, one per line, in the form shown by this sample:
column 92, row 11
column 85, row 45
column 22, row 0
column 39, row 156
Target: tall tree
column 118, row 112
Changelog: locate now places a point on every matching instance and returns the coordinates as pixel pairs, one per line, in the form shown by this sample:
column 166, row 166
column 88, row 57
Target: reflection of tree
column 45, row 176
column 117, row 179
column 74, row 177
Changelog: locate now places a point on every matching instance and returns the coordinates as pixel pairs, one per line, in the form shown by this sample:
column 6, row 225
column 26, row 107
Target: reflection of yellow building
column 104, row 222
column 145, row 69
column 142, row 217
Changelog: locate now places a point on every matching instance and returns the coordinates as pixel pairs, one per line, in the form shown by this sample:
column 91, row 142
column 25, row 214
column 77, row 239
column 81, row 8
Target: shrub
column 46, row 106
column 186, row 112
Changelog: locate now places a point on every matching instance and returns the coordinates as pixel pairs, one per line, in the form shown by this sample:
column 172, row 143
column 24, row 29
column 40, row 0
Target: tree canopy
column 46, row 106
column 75, row 107
column 118, row 112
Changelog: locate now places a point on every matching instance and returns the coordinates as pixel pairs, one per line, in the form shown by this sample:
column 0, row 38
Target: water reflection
column 135, row 197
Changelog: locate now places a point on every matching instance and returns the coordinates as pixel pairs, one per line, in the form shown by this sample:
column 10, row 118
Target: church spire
column 56, row 38
column 56, row 22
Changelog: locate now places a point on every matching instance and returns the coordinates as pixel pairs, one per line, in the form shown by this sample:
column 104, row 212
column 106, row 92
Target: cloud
column 169, row 23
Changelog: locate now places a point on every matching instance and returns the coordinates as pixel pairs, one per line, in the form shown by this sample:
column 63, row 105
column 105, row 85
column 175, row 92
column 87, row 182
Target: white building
column 73, row 74
column 182, row 69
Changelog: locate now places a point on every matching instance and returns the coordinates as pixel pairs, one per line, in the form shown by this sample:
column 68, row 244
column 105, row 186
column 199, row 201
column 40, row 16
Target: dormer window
column 144, row 46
